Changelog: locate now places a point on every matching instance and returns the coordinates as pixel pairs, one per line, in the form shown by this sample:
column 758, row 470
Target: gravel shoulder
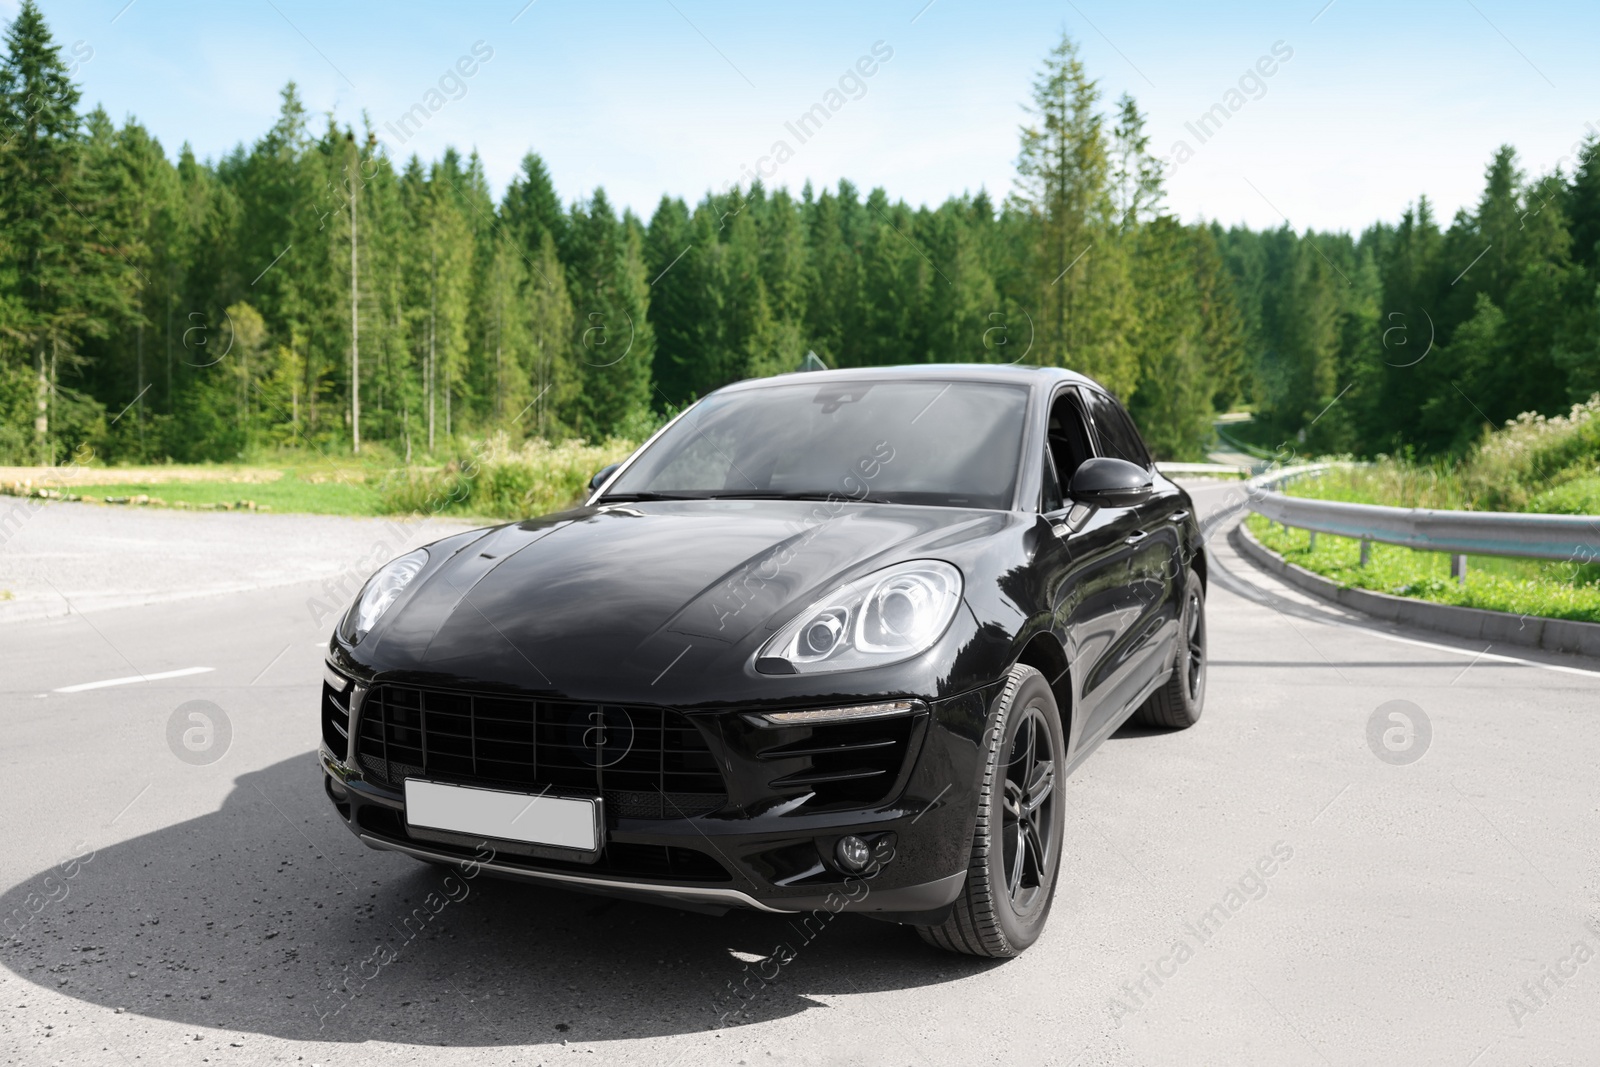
column 56, row 477
column 64, row 558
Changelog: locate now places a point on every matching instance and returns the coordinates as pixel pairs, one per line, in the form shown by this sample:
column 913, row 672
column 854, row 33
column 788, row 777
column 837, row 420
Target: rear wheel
column 1177, row 705
column 1016, row 845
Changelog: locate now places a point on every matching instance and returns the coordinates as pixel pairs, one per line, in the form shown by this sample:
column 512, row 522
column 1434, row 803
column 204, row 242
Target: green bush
column 1580, row 496
column 1533, row 463
column 493, row 479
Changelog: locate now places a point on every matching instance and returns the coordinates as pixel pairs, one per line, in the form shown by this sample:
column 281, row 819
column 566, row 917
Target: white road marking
column 136, row 678
column 132, row 802
column 1466, row 652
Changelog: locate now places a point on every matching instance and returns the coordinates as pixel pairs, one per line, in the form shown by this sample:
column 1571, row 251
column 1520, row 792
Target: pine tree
column 614, row 343
column 65, row 283
column 834, row 303
column 448, row 248
column 1136, row 177
column 1079, row 271
column 1222, row 325
column 531, row 208
column 681, row 296
column 549, row 361
column 1173, row 401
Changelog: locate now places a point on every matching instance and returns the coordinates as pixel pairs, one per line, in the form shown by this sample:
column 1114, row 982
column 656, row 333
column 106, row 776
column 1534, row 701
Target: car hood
column 630, row 592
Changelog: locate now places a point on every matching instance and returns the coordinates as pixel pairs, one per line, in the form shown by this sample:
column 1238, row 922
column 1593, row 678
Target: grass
column 1519, row 586
column 486, row 479
column 292, row 492
column 1573, row 491
column 1531, row 464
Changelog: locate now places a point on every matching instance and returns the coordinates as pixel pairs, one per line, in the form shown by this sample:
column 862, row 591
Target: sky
column 1368, row 103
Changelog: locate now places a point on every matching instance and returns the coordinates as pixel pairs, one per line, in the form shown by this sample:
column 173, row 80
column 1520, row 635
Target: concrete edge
column 1498, row 627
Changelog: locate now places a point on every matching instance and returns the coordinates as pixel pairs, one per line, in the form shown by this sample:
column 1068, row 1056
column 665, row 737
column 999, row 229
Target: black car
column 827, row 641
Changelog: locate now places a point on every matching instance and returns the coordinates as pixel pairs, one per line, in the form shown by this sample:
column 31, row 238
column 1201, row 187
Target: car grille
column 648, row 763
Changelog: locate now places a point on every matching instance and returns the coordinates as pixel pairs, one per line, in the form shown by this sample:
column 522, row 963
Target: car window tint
column 1068, row 436
column 1050, row 498
column 1118, row 438
column 948, row 443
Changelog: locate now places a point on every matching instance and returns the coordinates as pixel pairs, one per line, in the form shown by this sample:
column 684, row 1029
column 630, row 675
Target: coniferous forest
column 309, row 291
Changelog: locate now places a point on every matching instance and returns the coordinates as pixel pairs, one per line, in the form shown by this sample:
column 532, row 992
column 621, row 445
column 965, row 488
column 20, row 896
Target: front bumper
column 751, row 853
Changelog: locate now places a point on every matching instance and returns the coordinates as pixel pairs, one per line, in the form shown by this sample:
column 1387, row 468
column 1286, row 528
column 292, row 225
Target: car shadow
column 1130, row 731
column 269, row 917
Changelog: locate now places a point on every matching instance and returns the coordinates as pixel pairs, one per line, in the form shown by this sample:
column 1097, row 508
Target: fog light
column 852, row 853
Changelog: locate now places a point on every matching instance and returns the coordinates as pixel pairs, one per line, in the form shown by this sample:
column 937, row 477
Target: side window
column 1068, row 436
column 1050, row 493
column 1118, row 438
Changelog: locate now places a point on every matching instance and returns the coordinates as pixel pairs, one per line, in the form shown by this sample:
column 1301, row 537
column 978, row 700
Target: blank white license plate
column 565, row 822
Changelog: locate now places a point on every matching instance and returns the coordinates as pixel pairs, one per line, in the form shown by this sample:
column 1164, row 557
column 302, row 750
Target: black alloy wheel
column 1178, row 703
column 1017, row 834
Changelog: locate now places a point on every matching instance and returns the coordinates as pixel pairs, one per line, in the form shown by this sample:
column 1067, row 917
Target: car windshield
column 944, row 443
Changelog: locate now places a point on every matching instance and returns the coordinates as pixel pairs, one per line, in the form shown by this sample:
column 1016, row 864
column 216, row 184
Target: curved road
column 1271, row 887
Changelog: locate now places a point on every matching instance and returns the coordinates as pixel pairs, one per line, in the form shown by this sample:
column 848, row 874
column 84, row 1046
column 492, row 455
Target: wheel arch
column 1044, row 653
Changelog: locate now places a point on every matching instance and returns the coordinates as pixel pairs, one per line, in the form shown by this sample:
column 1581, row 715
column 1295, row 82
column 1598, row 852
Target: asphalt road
column 159, row 910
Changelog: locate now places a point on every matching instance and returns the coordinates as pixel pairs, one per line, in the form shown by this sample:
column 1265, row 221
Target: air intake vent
column 626, row 860
column 336, row 721
column 841, row 764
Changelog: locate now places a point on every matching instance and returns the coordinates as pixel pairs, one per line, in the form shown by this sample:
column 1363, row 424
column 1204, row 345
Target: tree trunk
column 138, row 396
column 170, row 298
column 294, row 391
column 311, row 383
column 355, row 328
column 499, row 332
column 41, row 420
column 433, row 311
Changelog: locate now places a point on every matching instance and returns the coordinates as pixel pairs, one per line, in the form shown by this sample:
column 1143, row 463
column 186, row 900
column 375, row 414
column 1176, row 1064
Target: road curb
column 1500, row 627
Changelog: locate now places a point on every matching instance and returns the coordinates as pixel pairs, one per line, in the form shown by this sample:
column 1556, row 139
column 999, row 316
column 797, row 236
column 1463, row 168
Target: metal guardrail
column 1573, row 538
column 1264, row 481
column 1228, row 470
column 1240, row 446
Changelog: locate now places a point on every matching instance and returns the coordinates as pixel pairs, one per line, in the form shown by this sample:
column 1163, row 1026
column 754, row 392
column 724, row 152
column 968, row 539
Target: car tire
column 1016, row 844
column 1178, row 703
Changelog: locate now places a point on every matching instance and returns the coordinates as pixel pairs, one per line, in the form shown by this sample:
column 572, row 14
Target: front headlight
column 379, row 592
column 886, row 617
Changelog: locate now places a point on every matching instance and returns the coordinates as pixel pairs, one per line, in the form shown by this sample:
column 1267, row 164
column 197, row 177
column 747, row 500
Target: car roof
column 1033, row 377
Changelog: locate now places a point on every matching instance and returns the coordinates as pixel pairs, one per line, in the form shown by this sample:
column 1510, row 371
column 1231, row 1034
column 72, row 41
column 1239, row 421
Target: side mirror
column 601, row 475
column 1110, row 483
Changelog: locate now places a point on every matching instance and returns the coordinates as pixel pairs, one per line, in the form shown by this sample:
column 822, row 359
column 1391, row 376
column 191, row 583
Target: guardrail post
column 1366, row 553
column 1313, row 545
column 1458, row 569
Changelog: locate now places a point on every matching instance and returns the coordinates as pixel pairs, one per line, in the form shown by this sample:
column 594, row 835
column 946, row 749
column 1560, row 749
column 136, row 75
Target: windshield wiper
column 765, row 494
column 622, row 498
column 742, row 494
column 716, row 494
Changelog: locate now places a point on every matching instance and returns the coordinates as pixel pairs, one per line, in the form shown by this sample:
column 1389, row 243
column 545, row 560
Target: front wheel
column 1016, row 845
column 1177, row 705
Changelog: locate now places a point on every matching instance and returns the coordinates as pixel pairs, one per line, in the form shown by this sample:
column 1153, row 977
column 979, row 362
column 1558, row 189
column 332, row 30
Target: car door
column 1151, row 543
column 1085, row 560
